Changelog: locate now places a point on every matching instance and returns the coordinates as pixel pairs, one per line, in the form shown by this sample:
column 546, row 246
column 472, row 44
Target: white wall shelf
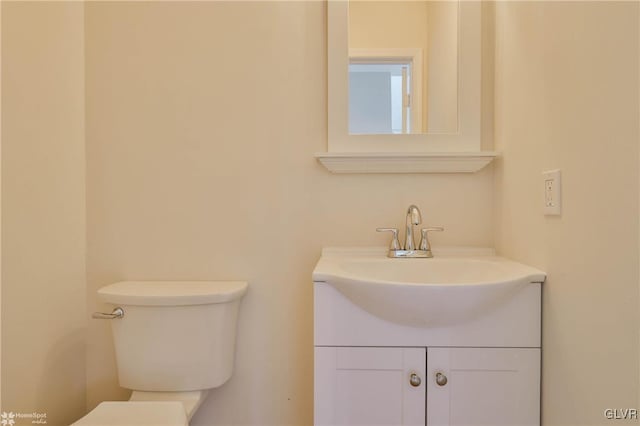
column 409, row 162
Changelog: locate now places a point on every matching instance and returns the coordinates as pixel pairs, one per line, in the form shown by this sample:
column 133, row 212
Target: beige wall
column 567, row 97
column 1, row 73
column 200, row 140
column 43, row 210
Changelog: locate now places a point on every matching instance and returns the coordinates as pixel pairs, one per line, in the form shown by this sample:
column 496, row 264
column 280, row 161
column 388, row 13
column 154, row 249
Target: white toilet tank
column 174, row 335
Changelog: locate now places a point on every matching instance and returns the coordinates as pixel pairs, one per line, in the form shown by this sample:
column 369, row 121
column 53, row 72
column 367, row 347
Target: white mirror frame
column 406, row 153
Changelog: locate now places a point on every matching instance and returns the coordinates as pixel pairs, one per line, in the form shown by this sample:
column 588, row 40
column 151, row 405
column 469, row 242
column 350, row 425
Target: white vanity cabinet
column 484, row 386
column 369, row 386
column 400, row 386
column 490, row 366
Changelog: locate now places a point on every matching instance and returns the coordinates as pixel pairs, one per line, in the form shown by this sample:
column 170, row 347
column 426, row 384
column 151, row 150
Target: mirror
column 460, row 127
column 403, row 66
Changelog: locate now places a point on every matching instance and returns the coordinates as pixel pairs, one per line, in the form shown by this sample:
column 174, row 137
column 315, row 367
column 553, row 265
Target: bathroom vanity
column 470, row 356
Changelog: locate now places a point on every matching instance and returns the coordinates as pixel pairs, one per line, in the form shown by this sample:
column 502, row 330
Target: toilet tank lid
column 172, row 293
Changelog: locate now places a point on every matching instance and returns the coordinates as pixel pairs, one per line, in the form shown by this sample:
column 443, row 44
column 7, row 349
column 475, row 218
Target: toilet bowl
column 147, row 413
column 174, row 340
column 146, row 408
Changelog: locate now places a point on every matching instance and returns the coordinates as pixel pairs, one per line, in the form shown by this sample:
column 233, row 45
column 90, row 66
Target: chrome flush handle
column 117, row 313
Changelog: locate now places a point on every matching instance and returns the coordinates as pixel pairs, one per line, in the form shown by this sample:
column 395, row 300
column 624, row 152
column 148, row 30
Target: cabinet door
column 484, row 386
column 369, row 386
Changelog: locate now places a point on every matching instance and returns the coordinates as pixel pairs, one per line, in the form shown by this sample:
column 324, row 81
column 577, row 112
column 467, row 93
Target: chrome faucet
column 424, row 249
column 413, row 218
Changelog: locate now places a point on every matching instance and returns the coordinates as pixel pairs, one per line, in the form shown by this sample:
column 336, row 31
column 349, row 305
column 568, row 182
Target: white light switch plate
column 552, row 187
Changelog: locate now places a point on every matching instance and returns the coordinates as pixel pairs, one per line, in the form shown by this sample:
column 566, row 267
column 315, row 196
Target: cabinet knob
column 441, row 379
column 414, row 379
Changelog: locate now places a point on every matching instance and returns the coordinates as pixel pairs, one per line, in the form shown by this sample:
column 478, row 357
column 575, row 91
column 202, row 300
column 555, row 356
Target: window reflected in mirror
column 380, row 97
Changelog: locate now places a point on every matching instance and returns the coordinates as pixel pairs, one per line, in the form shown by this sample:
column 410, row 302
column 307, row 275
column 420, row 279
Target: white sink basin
column 453, row 287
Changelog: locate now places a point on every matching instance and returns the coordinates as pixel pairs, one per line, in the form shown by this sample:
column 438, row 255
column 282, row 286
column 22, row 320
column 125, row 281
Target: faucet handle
column 395, row 243
column 424, row 241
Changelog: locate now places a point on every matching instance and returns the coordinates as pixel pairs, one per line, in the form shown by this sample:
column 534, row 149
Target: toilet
column 174, row 341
